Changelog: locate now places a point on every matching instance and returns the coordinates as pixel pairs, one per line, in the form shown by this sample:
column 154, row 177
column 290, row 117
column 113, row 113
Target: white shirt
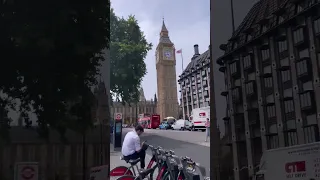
column 131, row 143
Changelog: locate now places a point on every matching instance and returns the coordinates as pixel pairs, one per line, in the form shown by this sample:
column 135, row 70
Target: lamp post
column 232, row 16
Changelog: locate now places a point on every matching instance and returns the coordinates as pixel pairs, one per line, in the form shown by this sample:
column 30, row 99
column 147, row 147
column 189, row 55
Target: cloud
column 188, row 23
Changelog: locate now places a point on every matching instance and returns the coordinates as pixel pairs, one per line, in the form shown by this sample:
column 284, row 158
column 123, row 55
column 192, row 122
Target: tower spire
column 164, row 28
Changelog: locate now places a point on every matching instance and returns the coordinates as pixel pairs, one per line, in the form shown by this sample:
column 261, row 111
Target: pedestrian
column 207, row 129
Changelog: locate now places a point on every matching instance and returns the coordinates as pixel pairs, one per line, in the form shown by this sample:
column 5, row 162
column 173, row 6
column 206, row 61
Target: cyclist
column 132, row 148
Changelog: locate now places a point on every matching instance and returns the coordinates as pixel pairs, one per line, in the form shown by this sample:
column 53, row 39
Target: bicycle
column 188, row 170
column 173, row 163
column 163, row 164
column 131, row 172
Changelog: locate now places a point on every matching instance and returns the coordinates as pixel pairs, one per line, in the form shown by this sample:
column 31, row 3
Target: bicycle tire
column 121, row 169
column 126, row 177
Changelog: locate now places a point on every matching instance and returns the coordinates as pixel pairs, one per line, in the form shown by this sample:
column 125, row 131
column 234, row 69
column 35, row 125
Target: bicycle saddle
column 145, row 172
column 133, row 161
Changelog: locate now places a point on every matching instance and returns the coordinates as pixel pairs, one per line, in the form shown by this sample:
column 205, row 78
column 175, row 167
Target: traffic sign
column 26, row 171
column 118, row 116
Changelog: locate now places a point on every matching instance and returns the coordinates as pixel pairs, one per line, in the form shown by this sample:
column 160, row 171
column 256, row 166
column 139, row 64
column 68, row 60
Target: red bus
column 152, row 122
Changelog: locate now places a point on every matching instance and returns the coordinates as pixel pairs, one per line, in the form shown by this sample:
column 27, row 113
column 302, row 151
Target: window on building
column 316, row 26
column 298, row 36
column 268, row 82
column 204, row 83
column 273, row 141
column 206, row 103
column 203, row 73
column 311, row 134
column 271, row 111
column 288, row 106
column 304, row 53
column 283, row 46
column 302, row 67
column 233, row 68
column 306, row 100
column 247, row 62
column 265, row 54
column 250, row 88
column 286, row 76
column 291, row 138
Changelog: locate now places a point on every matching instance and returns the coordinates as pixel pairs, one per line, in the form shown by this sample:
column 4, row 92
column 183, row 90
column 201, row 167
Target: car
column 181, row 124
column 164, row 125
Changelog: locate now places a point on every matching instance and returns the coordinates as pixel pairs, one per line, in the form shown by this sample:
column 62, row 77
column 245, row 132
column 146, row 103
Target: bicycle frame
column 172, row 164
column 163, row 164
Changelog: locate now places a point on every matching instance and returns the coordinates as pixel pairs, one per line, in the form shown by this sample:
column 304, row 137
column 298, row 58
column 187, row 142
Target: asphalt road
column 182, row 143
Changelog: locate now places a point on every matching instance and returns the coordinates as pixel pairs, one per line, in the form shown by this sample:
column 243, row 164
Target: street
column 183, row 143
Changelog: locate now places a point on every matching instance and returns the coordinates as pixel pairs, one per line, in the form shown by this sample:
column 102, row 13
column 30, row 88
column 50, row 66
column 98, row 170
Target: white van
column 199, row 117
column 181, row 124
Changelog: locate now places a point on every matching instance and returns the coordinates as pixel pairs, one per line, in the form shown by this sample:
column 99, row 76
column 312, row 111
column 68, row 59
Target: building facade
column 271, row 66
column 194, row 83
column 166, row 76
column 131, row 112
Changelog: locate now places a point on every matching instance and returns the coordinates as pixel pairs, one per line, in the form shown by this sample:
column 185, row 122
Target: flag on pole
column 179, row 51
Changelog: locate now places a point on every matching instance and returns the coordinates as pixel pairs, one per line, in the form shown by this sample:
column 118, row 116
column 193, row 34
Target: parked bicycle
column 133, row 173
column 169, row 166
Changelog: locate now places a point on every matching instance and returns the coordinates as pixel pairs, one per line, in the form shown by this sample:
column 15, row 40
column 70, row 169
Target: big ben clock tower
column 166, row 76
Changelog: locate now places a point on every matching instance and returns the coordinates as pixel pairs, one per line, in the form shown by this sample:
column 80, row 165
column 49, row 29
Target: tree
column 128, row 49
column 51, row 53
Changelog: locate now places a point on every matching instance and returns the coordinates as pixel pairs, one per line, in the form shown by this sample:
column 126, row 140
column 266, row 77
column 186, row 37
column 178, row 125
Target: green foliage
column 50, row 52
column 128, row 49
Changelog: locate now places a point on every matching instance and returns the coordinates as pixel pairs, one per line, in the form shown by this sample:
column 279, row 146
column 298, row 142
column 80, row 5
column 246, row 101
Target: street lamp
column 232, row 16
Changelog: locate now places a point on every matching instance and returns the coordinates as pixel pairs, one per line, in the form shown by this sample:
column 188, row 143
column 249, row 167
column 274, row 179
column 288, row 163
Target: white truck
column 199, row 117
column 301, row 162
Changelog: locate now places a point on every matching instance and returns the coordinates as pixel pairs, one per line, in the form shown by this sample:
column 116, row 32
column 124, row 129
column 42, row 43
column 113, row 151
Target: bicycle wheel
column 126, row 177
column 121, row 171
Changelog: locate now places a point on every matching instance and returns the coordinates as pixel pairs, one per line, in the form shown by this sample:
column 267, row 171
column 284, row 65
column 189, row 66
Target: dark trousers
column 141, row 154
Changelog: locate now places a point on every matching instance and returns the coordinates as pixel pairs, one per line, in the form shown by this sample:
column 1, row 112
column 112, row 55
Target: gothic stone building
column 271, row 66
column 132, row 111
column 166, row 76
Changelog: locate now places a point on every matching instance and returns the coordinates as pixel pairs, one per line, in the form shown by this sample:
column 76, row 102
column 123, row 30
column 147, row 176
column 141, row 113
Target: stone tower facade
column 166, row 76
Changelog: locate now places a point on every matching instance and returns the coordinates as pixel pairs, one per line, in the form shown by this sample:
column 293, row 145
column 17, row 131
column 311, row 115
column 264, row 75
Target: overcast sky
column 188, row 23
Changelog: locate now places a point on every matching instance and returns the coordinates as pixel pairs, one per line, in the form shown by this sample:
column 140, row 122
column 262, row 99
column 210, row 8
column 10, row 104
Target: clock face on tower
column 168, row 54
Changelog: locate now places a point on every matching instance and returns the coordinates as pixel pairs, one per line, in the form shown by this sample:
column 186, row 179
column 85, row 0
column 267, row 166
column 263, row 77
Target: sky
column 188, row 23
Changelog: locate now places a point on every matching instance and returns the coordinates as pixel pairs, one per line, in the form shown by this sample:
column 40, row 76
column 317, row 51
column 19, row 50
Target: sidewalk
column 115, row 161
